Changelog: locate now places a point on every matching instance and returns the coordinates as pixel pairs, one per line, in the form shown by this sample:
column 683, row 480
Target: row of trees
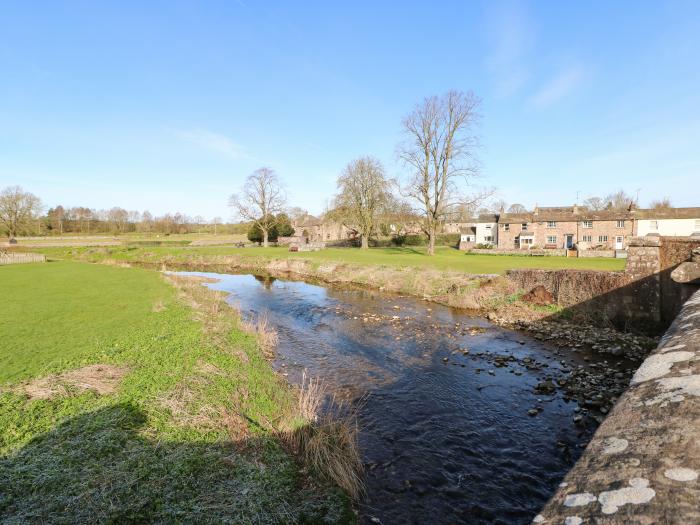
column 439, row 152
column 22, row 213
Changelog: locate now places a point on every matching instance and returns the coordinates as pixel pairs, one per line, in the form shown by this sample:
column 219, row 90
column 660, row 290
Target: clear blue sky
column 167, row 106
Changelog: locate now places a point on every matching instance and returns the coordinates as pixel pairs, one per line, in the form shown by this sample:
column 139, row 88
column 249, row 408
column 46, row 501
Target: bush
column 484, row 246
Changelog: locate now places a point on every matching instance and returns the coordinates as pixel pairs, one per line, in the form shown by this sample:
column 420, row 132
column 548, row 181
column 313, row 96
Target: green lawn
column 162, row 447
column 444, row 259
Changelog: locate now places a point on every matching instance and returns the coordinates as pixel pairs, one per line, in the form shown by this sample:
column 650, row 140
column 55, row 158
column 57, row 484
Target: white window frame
column 602, row 238
column 587, row 238
column 697, row 225
column 526, row 240
column 654, row 225
column 488, row 238
column 620, row 223
column 551, row 224
column 552, row 239
column 588, row 224
column 523, row 227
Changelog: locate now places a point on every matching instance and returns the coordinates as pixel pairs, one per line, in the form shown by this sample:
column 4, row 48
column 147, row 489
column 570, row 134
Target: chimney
column 575, row 209
column 536, row 210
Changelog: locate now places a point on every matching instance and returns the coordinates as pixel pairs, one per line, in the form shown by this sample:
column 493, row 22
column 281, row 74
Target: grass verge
column 445, row 259
column 193, row 424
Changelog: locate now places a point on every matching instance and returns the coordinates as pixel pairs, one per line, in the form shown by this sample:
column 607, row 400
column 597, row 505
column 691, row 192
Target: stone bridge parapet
column 643, row 463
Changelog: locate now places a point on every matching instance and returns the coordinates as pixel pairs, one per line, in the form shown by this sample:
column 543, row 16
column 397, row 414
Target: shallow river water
column 445, row 435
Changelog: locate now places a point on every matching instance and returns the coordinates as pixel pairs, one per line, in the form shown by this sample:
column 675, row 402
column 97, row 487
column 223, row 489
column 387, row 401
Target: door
column 569, row 242
column 619, row 242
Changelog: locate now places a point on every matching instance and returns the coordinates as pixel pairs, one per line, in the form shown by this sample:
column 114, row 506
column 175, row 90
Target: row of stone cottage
column 574, row 227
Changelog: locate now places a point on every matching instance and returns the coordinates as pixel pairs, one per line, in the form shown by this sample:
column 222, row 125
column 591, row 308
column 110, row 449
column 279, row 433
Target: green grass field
column 162, row 446
column 444, row 259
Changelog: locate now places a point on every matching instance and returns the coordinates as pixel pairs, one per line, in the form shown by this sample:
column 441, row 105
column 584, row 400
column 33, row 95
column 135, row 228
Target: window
column 506, row 227
column 654, row 225
column 602, row 238
column 488, row 238
column 587, row 238
column 526, row 241
column 551, row 224
column 524, row 226
column 488, row 226
column 697, row 225
column 620, row 224
column 588, row 224
column 551, row 239
column 328, row 236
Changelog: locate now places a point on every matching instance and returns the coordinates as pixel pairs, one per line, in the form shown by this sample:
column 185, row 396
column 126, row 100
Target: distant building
column 467, row 237
column 312, row 229
column 673, row 222
column 565, row 227
column 486, row 229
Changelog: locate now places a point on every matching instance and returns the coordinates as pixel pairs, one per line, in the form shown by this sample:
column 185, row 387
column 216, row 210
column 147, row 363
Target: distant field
column 444, row 259
column 115, row 240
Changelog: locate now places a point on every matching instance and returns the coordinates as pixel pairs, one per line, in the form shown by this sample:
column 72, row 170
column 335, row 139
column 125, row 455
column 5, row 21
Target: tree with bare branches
column 363, row 191
column 18, row 210
column 439, row 149
column 261, row 199
column 663, row 203
column 517, row 208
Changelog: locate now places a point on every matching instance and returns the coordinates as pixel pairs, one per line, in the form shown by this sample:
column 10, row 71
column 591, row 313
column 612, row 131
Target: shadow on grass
column 102, row 467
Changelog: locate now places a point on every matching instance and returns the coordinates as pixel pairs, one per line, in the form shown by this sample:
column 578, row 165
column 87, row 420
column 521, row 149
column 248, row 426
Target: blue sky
column 168, row 106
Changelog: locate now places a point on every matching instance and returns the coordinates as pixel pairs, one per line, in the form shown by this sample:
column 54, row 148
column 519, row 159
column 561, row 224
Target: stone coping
column 643, row 463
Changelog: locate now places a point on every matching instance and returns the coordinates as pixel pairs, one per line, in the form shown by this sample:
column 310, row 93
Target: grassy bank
column 125, row 398
column 446, row 259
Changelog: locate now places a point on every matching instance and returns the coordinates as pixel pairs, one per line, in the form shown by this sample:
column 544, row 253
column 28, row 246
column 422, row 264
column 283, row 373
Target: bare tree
column 362, row 195
column 619, row 200
column 260, row 200
column 18, row 210
column 661, row 204
column 517, row 208
column 594, row 203
column 215, row 222
column 295, row 213
column 118, row 217
column 498, row 206
column 439, row 149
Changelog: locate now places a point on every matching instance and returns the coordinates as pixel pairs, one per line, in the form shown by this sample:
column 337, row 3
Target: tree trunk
column 264, row 238
column 431, row 241
column 365, row 242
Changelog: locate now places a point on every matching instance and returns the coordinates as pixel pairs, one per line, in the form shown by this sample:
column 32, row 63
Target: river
column 452, row 429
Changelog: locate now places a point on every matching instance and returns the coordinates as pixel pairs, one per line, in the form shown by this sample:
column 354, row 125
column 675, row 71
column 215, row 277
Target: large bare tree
column 439, row 148
column 18, row 210
column 261, row 199
column 363, row 191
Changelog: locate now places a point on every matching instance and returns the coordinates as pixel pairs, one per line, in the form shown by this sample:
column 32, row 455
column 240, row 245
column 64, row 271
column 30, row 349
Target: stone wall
column 643, row 297
column 643, row 463
column 504, row 251
column 596, row 253
column 20, row 258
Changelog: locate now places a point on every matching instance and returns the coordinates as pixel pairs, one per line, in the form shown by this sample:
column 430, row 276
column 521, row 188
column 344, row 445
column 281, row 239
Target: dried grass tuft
column 327, row 443
column 100, row 378
column 267, row 336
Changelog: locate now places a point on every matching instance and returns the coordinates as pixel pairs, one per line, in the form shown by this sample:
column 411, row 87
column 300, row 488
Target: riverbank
column 145, row 400
column 445, row 258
